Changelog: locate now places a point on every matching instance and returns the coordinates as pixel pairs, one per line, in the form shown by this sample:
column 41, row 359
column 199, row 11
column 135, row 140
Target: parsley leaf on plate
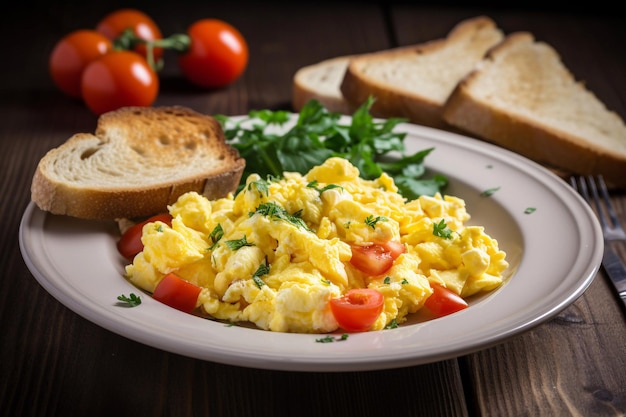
column 132, row 300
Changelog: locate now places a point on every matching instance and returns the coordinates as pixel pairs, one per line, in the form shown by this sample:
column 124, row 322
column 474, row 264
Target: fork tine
column 581, row 187
column 596, row 198
column 607, row 200
column 596, row 194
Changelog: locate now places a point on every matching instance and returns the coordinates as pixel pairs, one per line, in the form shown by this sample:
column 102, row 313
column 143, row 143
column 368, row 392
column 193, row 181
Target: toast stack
column 510, row 90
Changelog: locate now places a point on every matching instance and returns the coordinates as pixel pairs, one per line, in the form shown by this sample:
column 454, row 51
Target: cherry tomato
column 142, row 25
column 443, row 301
column 119, row 79
column 217, row 55
column 72, row 54
column 130, row 244
column 375, row 259
column 357, row 309
column 177, row 293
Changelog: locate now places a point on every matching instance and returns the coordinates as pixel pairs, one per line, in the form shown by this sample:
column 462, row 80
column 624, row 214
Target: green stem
column 179, row 42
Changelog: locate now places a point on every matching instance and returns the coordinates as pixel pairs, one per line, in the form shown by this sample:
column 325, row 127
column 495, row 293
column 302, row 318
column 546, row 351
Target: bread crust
column 395, row 100
column 522, row 133
column 320, row 81
column 151, row 145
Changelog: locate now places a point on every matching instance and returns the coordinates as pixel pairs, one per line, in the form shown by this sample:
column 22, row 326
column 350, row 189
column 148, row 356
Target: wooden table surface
column 53, row 362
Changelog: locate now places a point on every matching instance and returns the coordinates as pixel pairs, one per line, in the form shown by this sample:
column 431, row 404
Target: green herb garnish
column 263, row 269
column 313, row 184
column 262, row 186
column 441, row 229
column 393, row 324
column 371, row 220
column 319, row 134
column 132, row 300
column 276, row 212
column 489, row 192
column 238, row 243
column 330, row 339
column 216, row 235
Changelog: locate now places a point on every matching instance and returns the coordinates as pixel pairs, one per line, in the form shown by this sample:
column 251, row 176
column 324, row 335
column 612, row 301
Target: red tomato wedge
column 130, row 244
column 376, row 259
column 177, row 293
column 357, row 309
column 395, row 248
column 443, row 301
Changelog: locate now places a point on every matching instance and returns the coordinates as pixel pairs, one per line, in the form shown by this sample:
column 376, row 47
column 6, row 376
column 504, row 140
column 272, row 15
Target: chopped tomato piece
column 177, row 293
column 130, row 244
column 357, row 309
column 443, row 301
column 376, row 259
column 395, row 248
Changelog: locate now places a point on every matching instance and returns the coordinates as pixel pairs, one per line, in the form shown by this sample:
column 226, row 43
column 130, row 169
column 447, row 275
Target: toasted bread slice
column 523, row 98
column 321, row 81
column 139, row 160
column 415, row 81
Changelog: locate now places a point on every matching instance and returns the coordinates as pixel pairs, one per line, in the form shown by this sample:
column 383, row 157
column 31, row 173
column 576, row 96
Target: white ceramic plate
column 554, row 253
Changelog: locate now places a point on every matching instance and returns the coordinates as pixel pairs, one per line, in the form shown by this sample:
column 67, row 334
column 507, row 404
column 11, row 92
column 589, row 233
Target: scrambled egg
column 278, row 251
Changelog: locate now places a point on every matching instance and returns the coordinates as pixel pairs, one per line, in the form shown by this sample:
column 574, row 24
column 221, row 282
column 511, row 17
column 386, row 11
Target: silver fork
column 594, row 191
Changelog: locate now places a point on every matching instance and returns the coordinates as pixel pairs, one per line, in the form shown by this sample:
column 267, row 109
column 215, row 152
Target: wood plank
column 550, row 370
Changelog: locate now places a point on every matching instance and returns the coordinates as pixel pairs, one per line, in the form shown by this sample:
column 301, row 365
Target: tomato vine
column 211, row 54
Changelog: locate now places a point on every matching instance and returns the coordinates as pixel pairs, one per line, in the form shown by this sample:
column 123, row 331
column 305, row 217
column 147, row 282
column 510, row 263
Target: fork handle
column 615, row 270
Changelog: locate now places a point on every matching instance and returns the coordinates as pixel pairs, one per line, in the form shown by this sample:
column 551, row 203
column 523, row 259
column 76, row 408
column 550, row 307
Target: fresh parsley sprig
column 132, row 300
column 314, row 184
column 441, row 229
column 276, row 212
column 237, row 244
column 262, row 186
column 216, row 235
column 371, row 220
column 319, row 134
column 331, row 339
column 263, row 269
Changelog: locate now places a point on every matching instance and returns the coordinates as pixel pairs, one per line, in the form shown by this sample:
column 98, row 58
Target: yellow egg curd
column 278, row 251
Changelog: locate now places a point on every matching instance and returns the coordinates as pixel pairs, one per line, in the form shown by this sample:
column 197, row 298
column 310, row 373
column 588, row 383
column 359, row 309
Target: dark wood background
column 55, row 363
